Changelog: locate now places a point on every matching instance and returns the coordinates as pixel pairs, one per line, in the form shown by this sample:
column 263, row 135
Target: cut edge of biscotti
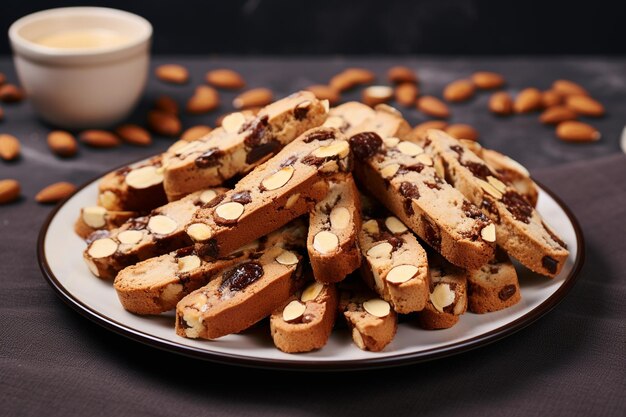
column 494, row 286
column 95, row 218
column 241, row 143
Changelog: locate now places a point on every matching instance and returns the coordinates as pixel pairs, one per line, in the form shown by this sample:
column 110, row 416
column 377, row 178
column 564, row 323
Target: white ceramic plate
column 60, row 258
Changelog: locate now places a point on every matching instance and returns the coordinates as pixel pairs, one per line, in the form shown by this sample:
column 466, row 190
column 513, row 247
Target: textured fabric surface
column 54, row 362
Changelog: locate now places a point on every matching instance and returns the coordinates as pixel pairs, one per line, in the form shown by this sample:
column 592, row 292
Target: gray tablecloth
column 570, row 363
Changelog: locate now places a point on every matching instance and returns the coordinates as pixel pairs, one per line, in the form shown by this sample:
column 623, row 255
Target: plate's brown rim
column 356, row 364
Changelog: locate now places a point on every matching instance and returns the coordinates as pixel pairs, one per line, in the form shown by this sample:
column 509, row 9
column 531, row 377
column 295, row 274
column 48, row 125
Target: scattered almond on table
column 204, row 100
column 459, row 90
column 501, row 103
column 486, row 80
column 56, row 192
column 225, row 78
column 172, row 73
column 163, row 123
column 9, row 190
column 550, row 98
column 9, row 147
column 574, row 131
column 557, row 114
column 166, row 104
column 401, row 75
column 257, row 97
column 1, row 114
column 195, row 132
column 350, row 78
column 528, row 100
column 376, row 94
column 584, row 105
column 97, row 138
column 10, row 93
column 567, row 88
column 134, row 134
column 420, row 129
column 406, row 94
column 325, row 92
column 62, row 143
column 433, row 107
column 462, row 131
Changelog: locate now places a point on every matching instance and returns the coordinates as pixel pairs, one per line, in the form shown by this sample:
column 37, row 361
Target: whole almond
column 1, row 114
column 501, row 103
column 459, row 90
column 99, row 138
column 420, row 130
column 486, row 80
column 434, row 107
column 584, row 105
column 172, row 73
column 166, row 104
column 9, row 147
column 376, row 94
column 9, row 191
column 528, row 100
column 10, row 93
column 62, row 143
column 566, row 88
column 195, row 132
column 163, row 123
column 462, row 131
column 55, row 192
column 325, row 92
column 406, row 94
column 551, row 98
column 573, row 131
column 204, row 100
column 257, row 97
column 225, row 78
column 350, row 78
column 3, row 78
column 557, row 114
column 400, row 75
column 134, row 134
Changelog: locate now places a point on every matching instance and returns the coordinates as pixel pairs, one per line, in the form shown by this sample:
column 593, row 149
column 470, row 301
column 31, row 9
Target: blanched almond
column 573, row 131
column 62, row 143
column 459, row 90
column 434, row 107
column 9, row 190
column 99, row 138
column 9, row 147
column 257, row 97
column 172, row 73
column 462, row 131
column 225, row 78
column 400, row 75
column 325, row 92
column 163, row 123
column 501, row 103
column 557, row 114
column 584, row 105
column 55, row 192
column 195, row 132
column 406, row 94
column 134, row 134
column 528, row 100
column 486, row 80
column 203, row 100
column 567, row 87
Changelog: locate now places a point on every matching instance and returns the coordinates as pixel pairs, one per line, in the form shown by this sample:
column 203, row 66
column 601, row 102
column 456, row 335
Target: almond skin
column 528, row 100
column 557, row 114
column 401, row 75
column 573, row 131
column 406, row 94
column 325, row 92
column 1, row 114
column 134, row 134
column 10, row 93
column 204, row 100
column 459, row 90
column 9, row 191
column 350, row 78
column 462, row 131
column 9, row 147
column 163, row 123
column 225, row 78
column 376, row 94
column 420, row 130
column 195, row 132
column 99, row 138
column 62, row 143
column 172, row 73
column 257, row 97
column 166, row 104
column 433, row 107
column 501, row 103
column 566, row 88
column 550, row 98
column 486, row 80
column 56, row 192
column 584, row 105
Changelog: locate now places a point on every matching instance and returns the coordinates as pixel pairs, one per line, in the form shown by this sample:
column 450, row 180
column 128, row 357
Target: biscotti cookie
column 386, row 122
column 160, row 232
column 137, row 187
column 402, row 177
column 395, row 264
column 371, row 319
column 519, row 228
column 158, row 284
column 95, row 218
column 246, row 293
column 493, row 287
column 276, row 192
column 240, row 144
column 511, row 171
column 334, row 223
column 348, row 115
column 448, row 295
column 304, row 322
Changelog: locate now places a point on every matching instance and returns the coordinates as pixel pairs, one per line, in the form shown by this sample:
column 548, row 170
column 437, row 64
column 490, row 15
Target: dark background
column 466, row 27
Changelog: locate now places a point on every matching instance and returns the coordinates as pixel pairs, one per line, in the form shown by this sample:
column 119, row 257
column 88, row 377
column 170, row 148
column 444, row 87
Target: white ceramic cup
column 82, row 87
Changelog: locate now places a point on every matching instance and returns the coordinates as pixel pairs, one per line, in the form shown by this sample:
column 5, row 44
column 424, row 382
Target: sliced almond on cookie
column 130, row 237
column 144, row 177
column 311, row 292
column 94, row 217
column 339, row 148
column 287, row 258
column 401, row 273
column 339, row 218
column 188, row 263
column 377, row 307
column 278, row 179
column 442, row 296
column 293, row 311
column 162, row 225
column 325, row 242
column 394, row 225
column 230, row 211
column 199, row 232
column 101, row 248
